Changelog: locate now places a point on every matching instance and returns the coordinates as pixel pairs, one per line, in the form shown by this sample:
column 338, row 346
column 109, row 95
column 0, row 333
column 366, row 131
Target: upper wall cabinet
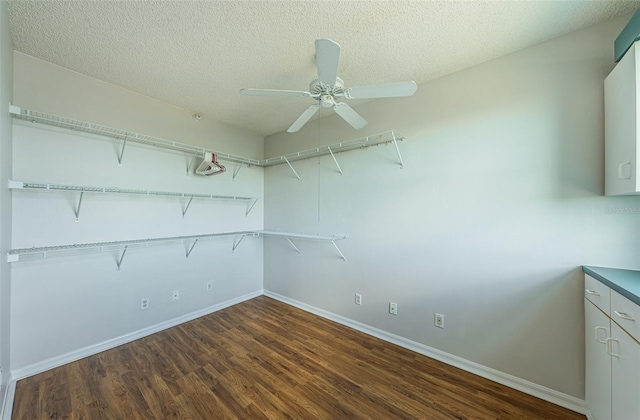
column 622, row 125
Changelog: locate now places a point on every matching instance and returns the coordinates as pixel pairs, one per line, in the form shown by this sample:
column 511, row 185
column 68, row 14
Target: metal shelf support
column 339, row 252
column 124, row 144
column 335, row 160
column 119, row 262
column 291, row 166
column 293, row 245
column 236, row 169
column 236, row 243
column 395, row 142
column 250, row 207
column 184, row 211
column 78, row 206
column 191, row 247
column 244, row 234
column 190, row 165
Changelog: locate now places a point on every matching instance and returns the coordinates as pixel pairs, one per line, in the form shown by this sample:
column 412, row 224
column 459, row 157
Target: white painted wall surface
column 6, row 92
column 499, row 205
column 61, row 305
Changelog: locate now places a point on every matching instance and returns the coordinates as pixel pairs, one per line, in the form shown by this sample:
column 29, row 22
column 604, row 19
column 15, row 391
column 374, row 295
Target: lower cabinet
column 598, row 362
column 625, row 374
column 612, row 368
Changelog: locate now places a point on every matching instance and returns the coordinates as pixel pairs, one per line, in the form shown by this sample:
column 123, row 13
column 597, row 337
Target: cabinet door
column 620, row 121
column 625, row 365
column 598, row 362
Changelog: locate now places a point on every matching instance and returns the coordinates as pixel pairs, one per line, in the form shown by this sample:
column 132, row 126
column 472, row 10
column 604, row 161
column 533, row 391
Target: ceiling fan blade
column 302, row 119
column 389, row 90
column 274, row 92
column 349, row 115
column 327, row 58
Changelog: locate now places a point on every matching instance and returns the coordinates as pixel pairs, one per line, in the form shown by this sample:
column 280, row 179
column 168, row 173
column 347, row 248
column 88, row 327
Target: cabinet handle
column 620, row 171
column 605, row 333
column 608, row 343
column 624, row 315
column 592, row 292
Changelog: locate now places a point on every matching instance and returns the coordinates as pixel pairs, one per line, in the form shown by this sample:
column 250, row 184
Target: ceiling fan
column 328, row 87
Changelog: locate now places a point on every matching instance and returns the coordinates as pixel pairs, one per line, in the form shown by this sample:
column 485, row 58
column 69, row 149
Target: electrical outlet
column 358, row 299
column 209, row 286
column 393, row 308
column 176, row 295
column 438, row 320
column 144, row 303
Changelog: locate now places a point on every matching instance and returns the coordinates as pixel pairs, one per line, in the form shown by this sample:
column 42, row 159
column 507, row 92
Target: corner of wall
column 6, row 132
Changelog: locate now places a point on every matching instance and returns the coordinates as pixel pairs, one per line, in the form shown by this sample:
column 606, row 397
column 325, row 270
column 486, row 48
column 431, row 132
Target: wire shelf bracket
column 191, row 247
column 77, row 211
column 395, row 143
column 292, row 244
column 334, row 159
column 236, row 169
column 119, row 262
column 121, row 155
column 291, row 166
column 191, row 162
column 19, row 185
column 250, row 207
column 241, row 237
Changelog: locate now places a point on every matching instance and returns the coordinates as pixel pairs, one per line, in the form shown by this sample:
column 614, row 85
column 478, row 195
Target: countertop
column 625, row 282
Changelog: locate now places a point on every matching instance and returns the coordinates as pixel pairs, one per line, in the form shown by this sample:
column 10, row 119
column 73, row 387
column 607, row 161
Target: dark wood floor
column 264, row 359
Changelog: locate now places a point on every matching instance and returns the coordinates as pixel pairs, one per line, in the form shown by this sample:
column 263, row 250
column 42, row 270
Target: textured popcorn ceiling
column 199, row 54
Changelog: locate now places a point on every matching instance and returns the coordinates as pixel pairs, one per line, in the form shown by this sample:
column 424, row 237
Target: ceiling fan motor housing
column 317, row 88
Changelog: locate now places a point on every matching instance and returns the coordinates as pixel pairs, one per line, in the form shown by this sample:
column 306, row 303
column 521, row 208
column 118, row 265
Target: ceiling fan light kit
column 328, row 87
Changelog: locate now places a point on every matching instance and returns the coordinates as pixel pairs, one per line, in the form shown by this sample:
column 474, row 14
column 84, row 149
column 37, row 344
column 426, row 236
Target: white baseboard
column 8, row 395
column 54, row 362
column 544, row 393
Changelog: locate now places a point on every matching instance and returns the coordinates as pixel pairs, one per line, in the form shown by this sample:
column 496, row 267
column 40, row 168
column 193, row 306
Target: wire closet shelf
column 118, row 134
column 41, row 186
column 22, row 254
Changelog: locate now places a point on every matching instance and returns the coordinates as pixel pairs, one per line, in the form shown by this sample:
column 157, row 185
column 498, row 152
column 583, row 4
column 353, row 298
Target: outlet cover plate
column 393, row 308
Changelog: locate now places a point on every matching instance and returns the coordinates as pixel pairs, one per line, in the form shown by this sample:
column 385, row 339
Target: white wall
column 6, row 92
column 61, row 305
column 500, row 203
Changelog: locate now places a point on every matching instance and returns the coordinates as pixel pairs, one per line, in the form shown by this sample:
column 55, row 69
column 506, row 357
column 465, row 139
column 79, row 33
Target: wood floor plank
column 263, row 359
